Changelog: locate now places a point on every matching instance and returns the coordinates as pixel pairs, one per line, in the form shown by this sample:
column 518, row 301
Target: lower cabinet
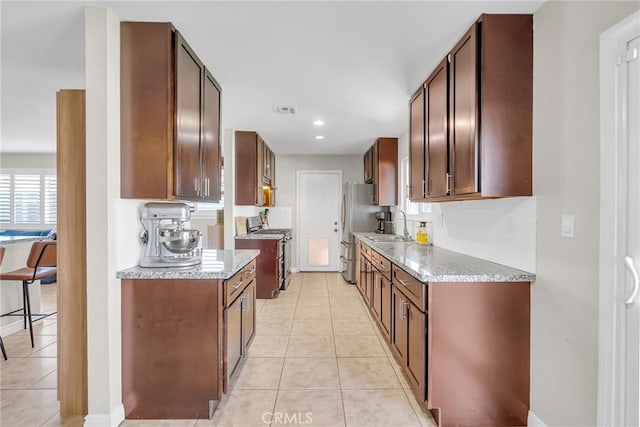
column 408, row 341
column 463, row 347
column 269, row 265
column 381, row 301
column 240, row 321
column 182, row 339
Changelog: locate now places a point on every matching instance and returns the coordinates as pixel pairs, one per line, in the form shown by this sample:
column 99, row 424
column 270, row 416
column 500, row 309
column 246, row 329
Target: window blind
column 50, row 199
column 5, row 198
column 27, row 199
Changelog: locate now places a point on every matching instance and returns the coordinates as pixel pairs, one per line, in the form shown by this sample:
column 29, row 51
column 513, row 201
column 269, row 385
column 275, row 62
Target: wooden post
column 72, row 274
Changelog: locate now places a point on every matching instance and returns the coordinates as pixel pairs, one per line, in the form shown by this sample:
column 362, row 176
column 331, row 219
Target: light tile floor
column 28, row 379
column 317, row 359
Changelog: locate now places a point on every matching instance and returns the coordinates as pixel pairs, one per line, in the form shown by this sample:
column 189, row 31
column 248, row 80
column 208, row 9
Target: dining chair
column 4, row 352
column 41, row 263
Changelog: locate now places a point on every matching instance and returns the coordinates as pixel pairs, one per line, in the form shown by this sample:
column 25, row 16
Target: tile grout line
column 344, row 411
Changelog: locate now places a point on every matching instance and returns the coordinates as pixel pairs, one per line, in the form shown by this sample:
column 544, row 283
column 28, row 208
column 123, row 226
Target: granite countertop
column 435, row 264
column 8, row 240
column 216, row 264
column 256, row 236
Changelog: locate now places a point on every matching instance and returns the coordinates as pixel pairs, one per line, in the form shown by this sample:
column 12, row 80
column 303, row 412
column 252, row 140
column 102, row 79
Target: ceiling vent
column 284, row 109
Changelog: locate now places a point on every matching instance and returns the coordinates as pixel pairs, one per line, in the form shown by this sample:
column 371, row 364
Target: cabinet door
column 367, row 167
column 260, row 173
column 436, row 131
column 385, row 304
column 376, row 294
column 398, row 323
column 374, row 174
column 249, row 315
column 417, row 154
column 211, row 161
column 416, row 347
column 463, row 105
column 234, row 334
column 188, row 92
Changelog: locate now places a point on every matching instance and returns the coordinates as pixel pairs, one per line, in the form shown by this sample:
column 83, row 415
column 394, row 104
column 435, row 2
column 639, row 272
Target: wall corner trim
column 106, row 420
column 532, row 421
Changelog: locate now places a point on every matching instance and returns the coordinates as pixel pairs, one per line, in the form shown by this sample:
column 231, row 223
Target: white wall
column 286, row 167
column 27, row 161
column 564, row 304
column 104, row 222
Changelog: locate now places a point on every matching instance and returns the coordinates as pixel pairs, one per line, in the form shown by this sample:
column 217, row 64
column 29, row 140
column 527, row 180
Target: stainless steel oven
column 285, row 257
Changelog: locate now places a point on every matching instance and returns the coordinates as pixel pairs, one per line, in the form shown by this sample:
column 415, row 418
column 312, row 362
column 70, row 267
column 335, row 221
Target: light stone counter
column 434, row 264
column 216, row 264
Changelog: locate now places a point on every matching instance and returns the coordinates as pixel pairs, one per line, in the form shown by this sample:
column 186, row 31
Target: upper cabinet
column 471, row 121
column 255, row 170
column 170, row 117
column 381, row 170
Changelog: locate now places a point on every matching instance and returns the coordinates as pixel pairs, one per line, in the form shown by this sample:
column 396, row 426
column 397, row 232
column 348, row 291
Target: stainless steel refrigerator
column 358, row 214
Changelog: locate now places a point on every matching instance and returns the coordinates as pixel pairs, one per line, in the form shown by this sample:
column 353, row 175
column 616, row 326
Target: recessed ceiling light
column 319, row 137
column 318, row 123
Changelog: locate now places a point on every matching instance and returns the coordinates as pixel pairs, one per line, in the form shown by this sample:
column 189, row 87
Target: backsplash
column 499, row 230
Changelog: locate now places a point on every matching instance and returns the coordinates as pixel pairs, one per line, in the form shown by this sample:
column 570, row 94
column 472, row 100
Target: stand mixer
column 166, row 240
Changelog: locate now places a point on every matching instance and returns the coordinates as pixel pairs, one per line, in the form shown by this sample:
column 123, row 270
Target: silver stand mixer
column 166, row 239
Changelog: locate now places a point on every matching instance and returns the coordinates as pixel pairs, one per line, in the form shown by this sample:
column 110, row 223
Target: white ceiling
column 353, row 64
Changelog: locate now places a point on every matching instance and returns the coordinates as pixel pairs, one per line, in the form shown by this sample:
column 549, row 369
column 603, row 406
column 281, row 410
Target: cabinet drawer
column 367, row 251
column 236, row 284
column 415, row 290
column 382, row 264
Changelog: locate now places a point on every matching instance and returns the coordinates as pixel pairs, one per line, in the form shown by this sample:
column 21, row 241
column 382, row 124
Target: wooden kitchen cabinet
column 417, row 150
column 240, row 327
column 170, row 117
column 172, row 348
column 255, row 170
column 381, row 170
column 269, row 264
column 381, row 292
column 478, row 105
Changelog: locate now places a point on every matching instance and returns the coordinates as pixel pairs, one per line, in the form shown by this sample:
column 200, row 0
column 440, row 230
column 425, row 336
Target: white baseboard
column 101, row 420
column 534, row 421
column 11, row 328
column 294, row 270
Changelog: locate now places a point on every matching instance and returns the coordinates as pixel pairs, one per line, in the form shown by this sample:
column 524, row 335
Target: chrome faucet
column 406, row 235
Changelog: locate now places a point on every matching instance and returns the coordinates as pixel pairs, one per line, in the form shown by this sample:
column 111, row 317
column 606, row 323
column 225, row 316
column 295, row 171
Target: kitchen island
column 457, row 325
column 184, row 331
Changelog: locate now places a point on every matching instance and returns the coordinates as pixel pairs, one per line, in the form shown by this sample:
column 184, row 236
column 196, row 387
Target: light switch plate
column 440, row 219
column 511, row 226
column 567, row 226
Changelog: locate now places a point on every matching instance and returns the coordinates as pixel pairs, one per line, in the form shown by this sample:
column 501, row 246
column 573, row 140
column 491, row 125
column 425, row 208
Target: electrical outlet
column 567, row 226
column 440, row 220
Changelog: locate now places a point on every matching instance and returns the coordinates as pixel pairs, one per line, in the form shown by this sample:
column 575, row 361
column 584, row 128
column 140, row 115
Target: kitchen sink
column 384, row 238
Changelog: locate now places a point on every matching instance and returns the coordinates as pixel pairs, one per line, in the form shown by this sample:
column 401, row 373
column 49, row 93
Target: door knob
column 335, row 223
column 335, row 230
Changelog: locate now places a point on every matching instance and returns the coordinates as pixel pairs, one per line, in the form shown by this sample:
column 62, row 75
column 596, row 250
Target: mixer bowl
column 180, row 241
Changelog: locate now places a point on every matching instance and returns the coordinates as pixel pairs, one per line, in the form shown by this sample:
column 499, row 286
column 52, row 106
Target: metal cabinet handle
column 196, row 187
column 401, row 307
column 238, row 285
column 249, row 272
column 632, row 269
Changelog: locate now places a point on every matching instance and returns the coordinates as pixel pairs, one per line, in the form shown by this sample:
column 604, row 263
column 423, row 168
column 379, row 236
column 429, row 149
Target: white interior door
column 619, row 305
column 632, row 257
column 318, row 220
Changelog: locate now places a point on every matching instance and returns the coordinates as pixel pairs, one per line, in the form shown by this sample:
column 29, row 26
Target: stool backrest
column 2, row 249
column 43, row 254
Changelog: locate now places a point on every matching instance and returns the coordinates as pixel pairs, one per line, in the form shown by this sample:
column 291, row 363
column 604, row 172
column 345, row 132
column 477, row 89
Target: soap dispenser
column 421, row 233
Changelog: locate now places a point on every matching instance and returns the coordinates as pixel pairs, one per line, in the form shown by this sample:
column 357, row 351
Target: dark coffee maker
column 382, row 217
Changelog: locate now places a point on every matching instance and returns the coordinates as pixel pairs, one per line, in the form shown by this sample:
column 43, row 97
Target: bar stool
column 4, row 352
column 41, row 263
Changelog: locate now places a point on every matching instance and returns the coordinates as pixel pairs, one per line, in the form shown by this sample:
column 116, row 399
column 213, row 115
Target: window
column 410, row 208
column 28, row 197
